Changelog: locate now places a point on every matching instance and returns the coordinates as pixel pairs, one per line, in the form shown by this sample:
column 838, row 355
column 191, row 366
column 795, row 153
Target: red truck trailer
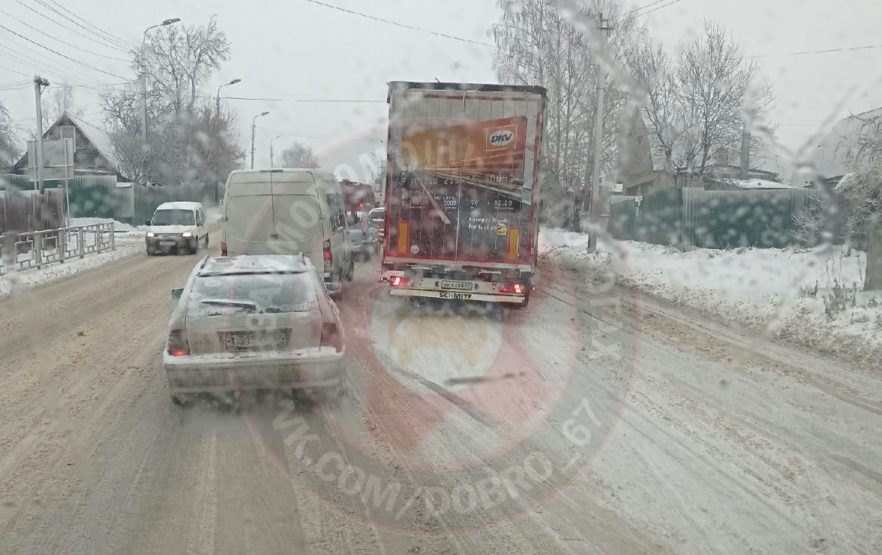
column 358, row 197
column 462, row 190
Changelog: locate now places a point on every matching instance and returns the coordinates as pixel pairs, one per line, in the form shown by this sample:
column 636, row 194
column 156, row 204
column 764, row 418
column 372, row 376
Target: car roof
column 179, row 205
column 255, row 264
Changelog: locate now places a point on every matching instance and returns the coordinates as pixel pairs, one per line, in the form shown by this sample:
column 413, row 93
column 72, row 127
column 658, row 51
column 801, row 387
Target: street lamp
column 144, row 80
column 271, row 149
column 253, row 127
column 217, row 97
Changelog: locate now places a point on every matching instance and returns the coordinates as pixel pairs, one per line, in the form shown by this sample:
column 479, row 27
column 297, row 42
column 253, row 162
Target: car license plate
column 167, row 243
column 248, row 341
column 455, row 296
column 457, row 285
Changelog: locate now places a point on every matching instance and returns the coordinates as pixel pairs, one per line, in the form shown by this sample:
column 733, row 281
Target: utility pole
column 217, row 96
column 603, row 29
column 744, row 166
column 253, row 128
column 39, row 84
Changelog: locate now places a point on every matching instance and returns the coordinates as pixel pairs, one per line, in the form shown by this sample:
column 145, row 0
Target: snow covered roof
column 179, row 205
column 757, row 184
column 98, row 137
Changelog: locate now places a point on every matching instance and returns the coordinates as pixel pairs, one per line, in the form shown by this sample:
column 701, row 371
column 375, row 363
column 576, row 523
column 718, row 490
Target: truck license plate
column 457, row 285
column 455, row 296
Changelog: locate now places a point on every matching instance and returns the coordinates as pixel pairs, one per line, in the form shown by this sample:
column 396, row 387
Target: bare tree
column 655, row 72
column 714, row 79
column 182, row 144
column 59, row 100
column 538, row 43
column 8, row 138
column 298, row 155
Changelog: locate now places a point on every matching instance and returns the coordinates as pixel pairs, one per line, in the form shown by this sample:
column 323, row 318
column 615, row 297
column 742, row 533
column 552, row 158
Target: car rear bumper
column 194, row 374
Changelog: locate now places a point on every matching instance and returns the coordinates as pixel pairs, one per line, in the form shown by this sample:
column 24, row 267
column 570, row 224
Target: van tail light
column 331, row 336
column 177, row 343
column 327, row 256
column 400, row 281
column 223, row 249
column 513, row 288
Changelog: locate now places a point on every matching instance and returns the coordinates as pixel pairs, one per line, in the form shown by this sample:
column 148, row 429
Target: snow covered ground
column 128, row 240
column 31, row 277
column 783, row 292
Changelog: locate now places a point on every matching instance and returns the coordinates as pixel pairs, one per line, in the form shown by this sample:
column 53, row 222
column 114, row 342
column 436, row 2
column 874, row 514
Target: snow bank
column 51, row 272
column 780, row 291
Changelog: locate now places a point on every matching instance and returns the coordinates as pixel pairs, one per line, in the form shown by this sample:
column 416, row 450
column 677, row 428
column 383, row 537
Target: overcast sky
column 299, row 50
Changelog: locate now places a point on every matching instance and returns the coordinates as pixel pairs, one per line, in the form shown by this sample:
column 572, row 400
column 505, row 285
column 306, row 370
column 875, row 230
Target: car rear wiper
column 231, row 303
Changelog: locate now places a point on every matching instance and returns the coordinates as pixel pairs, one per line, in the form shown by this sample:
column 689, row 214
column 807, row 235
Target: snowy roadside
column 805, row 296
column 128, row 239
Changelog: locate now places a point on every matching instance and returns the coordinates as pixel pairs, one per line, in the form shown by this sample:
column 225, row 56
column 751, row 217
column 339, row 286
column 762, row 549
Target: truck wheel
column 350, row 270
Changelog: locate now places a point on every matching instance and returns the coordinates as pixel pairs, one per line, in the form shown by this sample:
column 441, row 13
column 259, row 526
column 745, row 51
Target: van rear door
column 298, row 224
column 249, row 215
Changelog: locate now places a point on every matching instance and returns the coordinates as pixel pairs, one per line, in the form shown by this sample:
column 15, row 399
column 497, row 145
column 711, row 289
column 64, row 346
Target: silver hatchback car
column 253, row 322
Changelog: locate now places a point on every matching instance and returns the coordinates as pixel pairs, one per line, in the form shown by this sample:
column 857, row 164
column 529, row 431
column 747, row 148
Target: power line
column 399, row 24
column 49, row 67
column 643, row 7
column 659, row 8
column 289, row 134
column 57, row 53
column 62, row 41
column 15, row 71
column 70, row 29
column 78, row 24
column 108, row 34
column 827, row 51
column 316, row 100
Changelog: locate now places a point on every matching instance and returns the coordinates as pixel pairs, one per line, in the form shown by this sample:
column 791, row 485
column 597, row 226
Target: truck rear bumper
column 457, row 295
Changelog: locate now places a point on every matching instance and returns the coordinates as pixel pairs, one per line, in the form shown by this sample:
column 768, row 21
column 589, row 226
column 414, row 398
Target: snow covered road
column 661, row 431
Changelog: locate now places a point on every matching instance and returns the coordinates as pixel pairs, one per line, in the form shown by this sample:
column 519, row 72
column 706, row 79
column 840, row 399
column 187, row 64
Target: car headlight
column 151, row 234
column 186, row 234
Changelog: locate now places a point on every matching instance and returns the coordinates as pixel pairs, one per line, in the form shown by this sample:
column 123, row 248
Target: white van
column 176, row 227
column 288, row 211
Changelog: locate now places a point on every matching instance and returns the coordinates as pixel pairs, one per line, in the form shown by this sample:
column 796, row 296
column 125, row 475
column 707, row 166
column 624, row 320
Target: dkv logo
column 501, row 137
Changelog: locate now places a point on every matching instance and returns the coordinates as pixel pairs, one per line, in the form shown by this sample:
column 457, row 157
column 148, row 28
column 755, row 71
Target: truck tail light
column 331, row 336
column 327, row 256
column 400, row 281
column 178, row 346
column 223, row 249
column 513, row 288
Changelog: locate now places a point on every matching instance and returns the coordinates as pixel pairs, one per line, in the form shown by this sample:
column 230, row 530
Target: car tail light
column 177, row 343
column 400, row 281
column 223, row 249
column 331, row 336
column 513, row 288
column 326, row 254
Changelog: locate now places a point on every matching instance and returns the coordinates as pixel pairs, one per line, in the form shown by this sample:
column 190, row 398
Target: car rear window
column 259, row 293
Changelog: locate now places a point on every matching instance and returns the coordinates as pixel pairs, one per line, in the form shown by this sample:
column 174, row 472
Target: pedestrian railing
column 36, row 249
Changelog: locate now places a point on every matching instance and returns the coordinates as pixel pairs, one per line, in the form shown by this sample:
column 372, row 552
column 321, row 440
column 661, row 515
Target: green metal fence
column 100, row 196
column 688, row 217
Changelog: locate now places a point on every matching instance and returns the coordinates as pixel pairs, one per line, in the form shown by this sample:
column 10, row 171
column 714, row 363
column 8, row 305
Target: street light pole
column 144, row 83
column 217, row 97
column 253, row 127
column 272, row 165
